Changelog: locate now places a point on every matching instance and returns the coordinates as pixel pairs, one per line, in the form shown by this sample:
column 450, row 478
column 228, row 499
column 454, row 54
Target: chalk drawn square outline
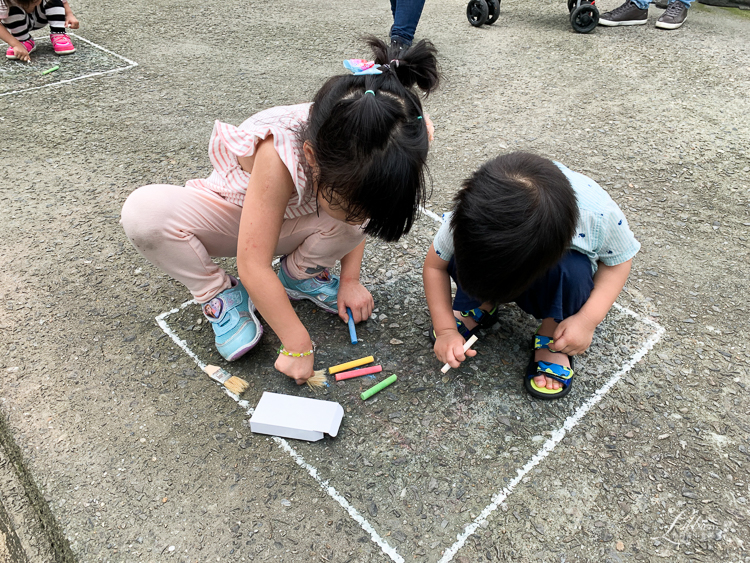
column 130, row 64
column 499, row 497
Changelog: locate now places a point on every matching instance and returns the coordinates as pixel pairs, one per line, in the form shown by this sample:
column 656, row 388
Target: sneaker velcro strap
column 542, row 342
column 556, row 371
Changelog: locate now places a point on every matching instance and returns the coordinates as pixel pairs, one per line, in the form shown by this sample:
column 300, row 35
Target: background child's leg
column 313, row 243
column 18, row 23
column 178, row 229
column 53, row 13
column 561, row 291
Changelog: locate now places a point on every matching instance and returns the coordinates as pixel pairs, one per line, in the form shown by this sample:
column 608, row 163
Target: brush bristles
column 236, row 385
column 317, row 380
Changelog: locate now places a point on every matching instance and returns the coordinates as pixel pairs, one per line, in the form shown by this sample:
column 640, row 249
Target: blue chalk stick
column 352, row 330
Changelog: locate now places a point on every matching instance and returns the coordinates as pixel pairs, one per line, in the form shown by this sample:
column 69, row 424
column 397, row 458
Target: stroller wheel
column 477, row 12
column 493, row 12
column 572, row 5
column 584, row 18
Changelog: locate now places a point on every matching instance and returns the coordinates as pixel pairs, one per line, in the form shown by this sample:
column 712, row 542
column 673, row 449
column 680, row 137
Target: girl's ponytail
column 413, row 66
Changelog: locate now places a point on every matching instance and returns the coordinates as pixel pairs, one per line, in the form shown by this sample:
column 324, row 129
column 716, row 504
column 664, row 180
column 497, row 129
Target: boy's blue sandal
column 484, row 319
column 322, row 290
column 555, row 371
column 236, row 328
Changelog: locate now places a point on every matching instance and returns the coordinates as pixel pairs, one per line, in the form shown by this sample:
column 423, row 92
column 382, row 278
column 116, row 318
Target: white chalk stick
column 468, row 344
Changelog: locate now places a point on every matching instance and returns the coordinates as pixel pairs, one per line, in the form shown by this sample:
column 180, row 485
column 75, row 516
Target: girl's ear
column 309, row 154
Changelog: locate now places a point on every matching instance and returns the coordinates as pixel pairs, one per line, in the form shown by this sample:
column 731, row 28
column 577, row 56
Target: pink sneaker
column 29, row 44
column 61, row 43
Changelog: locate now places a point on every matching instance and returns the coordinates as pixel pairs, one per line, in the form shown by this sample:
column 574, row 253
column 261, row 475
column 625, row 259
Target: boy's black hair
column 370, row 139
column 514, row 219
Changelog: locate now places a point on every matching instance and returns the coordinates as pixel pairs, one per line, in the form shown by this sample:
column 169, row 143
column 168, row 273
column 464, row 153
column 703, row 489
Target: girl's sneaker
column 236, row 328
column 62, row 44
column 30, row 47
column 322, row 290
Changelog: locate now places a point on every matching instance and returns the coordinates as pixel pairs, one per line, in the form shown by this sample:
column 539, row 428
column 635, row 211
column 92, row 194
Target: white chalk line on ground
column 131, row 64
column 557, row 436
column 497, row 498
column 284, row 445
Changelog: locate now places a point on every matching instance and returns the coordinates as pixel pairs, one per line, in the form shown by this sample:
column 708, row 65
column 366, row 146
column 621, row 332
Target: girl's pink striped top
column 228, row 143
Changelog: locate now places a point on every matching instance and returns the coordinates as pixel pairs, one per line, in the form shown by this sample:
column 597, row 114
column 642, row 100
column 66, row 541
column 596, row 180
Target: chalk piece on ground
column 296, row 417
column 379, row 387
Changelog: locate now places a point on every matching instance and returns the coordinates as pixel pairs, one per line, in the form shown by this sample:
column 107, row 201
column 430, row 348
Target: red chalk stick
column 357, row 372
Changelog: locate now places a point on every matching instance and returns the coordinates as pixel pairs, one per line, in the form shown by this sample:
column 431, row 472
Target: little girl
column 307, row 182
column 19, row 17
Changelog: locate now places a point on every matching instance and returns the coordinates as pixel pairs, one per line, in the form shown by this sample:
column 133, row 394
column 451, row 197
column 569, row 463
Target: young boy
column 528, row 230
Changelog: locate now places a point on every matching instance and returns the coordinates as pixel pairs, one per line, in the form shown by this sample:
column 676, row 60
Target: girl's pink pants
column 179, row 229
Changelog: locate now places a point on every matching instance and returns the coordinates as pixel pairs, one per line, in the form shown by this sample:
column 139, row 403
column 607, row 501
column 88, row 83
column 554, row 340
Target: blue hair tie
column 419, row 117
column 369, row 92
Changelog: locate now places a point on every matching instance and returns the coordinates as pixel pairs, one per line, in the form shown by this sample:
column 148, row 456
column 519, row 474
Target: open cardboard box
column 296, row 417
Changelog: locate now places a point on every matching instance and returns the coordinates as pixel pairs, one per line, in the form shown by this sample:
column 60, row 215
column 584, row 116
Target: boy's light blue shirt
column 602, row 232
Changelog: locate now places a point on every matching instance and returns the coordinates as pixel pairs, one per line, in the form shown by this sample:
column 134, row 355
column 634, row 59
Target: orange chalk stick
column 358, row 372
column 352, row 364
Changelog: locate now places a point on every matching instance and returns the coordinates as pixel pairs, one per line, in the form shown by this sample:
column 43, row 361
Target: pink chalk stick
column 357, row 372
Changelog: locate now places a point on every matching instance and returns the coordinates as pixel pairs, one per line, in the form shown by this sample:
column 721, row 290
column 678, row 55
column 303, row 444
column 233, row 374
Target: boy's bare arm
column 608, row 283
column 437, row 289
column 574, row 334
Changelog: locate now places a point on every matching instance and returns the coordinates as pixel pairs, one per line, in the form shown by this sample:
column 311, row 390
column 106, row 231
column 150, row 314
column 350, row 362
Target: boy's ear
column 309, row 154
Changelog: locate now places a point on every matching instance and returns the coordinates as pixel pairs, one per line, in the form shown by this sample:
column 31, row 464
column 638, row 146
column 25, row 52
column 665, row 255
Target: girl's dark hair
column 514, row 219
column 370, row 140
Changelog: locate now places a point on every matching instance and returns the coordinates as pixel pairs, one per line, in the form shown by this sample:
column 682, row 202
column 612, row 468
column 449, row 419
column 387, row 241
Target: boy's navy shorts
column 559, row 293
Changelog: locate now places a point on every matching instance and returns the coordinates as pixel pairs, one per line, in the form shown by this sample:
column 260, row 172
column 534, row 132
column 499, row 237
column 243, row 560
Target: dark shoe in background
column 674, row 16
column 627, row 14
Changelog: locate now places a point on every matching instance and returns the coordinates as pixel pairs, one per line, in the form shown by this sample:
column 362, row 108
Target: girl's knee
column 141, row 213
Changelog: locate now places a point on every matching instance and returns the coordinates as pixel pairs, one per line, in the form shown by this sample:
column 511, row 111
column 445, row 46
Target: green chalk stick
column 379, row 387
column 53, row 69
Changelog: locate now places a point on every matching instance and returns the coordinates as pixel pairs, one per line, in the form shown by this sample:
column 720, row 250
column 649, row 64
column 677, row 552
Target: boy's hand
column 22, row 54
column 71, row 21
column 354, row 295
column 449, row 348
column 299, row 369
column 573, row 335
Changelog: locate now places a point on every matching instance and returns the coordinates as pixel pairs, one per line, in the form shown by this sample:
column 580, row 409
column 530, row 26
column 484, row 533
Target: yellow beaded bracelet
column 285, row 352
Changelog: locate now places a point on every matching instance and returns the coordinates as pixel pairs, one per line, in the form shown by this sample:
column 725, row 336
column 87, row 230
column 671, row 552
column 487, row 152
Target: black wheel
column 572, row 5
column 493, row 13
column 477, row 12
column 584, row 18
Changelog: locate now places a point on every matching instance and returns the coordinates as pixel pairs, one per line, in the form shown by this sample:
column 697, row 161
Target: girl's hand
column 299, row 369
column 449, row 348
column 71, row 21
column 573, row 335
column 354, row 295
column 430, row 128
column 22, row 54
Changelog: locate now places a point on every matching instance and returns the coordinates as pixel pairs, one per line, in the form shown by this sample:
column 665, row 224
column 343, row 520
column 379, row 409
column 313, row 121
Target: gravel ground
column 139, row 457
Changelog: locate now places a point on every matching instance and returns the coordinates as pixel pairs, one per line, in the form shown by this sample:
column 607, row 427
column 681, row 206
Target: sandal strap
column 541, row 342
column 555, row 371
column 463, row 330
column 484, row 319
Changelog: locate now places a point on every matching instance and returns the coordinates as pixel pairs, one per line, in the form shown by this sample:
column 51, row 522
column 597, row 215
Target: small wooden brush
column 317, row 380
column 235, row 384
